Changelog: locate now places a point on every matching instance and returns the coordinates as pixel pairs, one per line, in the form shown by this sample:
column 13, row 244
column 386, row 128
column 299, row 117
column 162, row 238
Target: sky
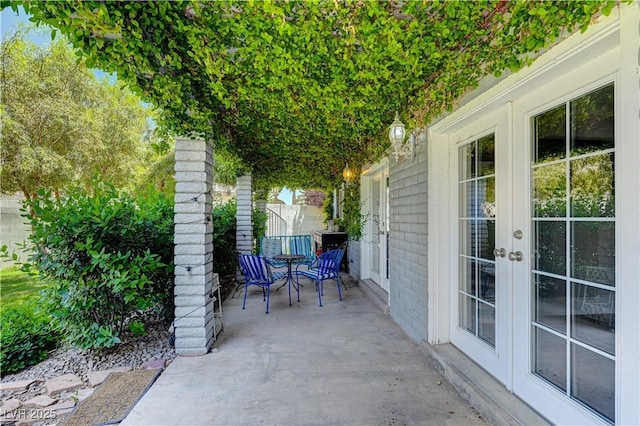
column 285, row 195
column 9, row 22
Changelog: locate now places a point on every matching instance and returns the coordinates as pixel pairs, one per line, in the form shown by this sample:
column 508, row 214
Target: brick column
column 244, row 213
column 195, row 282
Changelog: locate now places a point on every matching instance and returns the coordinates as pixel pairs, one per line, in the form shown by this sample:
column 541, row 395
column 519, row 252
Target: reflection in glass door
column 573, row 265
column 375, row 234
column 477, row 231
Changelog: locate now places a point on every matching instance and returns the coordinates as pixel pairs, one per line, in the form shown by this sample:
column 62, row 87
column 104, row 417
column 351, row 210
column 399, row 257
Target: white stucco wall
column 300, row 220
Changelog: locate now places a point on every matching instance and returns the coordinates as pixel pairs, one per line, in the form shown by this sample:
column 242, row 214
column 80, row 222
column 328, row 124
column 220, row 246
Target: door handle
column 517, row 256
column 499, row 252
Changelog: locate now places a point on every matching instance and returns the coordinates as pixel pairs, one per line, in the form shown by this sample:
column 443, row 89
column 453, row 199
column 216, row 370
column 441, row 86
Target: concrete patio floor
column 346, row 363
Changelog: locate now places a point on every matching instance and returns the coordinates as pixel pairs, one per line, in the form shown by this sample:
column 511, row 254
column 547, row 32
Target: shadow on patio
column 346, row 363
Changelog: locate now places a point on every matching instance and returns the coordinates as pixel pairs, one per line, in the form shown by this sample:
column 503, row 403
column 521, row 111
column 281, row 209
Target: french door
column 481, row 295
column 534, row 294
column 379, row 228
column 569, row 269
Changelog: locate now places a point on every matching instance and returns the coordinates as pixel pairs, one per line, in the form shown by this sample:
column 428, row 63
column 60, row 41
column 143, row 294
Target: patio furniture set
column 266, row 269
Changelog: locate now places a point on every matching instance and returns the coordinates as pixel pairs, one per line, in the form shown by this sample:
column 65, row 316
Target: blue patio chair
column 325, row 267
column 270, row 247
column 256, row 271
column 301, row 244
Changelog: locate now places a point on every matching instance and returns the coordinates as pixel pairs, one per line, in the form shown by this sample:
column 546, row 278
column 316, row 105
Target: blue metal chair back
column 255, row 269
column 301, row 244
column 325, row 267
column 329, row 262
column 256, row 272
column 270, row 247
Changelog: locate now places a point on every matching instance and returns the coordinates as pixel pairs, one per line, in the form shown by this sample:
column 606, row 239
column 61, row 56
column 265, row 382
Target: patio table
column 289, row 258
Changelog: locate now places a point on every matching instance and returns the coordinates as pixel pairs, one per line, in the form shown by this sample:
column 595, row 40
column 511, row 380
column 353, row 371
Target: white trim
column 439, row 252
column 628, row 216
column 373, row 170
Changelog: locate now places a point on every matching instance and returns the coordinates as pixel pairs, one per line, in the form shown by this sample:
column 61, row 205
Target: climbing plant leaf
column 294, row 89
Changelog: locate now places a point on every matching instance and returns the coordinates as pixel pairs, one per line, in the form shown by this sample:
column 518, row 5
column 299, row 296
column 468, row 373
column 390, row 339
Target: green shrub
column 259, row 224
column 224, row 238
column 225, row 254
column 26, row 334
column 109, row 254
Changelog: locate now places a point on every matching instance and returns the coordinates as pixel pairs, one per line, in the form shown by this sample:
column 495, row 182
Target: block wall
column 14, row 229
column 408, row 244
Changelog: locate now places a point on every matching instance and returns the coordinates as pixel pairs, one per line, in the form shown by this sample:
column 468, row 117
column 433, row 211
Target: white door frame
column 381, row 170
column 497, row 360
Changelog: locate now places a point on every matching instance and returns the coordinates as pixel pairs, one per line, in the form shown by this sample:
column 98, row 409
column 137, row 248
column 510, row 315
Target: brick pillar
column 195, row 282
column 244, row 228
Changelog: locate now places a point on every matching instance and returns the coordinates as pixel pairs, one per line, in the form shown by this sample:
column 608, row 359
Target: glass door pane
column 376, row 228
column 573, row 266
column 477, row 233
column 387, row 210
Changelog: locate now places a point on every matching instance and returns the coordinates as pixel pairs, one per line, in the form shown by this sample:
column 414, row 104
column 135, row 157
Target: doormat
column 113, row 400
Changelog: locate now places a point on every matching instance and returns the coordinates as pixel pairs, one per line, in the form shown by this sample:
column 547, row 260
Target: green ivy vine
column 352, row 219
column 293, row 90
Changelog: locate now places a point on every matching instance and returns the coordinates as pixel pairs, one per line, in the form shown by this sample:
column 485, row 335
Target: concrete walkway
column 346, row 363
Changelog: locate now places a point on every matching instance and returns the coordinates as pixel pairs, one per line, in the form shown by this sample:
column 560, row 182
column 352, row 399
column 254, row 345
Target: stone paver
column 31, row 416
column 39, row 401
column 10, row 405
column 21, row 385
column 63, row 405
column 67, row 382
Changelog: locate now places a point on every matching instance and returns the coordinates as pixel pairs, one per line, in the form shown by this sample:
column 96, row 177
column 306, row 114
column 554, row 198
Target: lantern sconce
column 397, row 134
column 347, row 174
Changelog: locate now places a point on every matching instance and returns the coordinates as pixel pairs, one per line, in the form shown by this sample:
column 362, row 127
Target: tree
column 60, row 124
column 311, row 197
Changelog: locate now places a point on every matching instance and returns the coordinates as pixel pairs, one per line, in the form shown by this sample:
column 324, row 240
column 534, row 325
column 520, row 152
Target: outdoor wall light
column 347, row 174
column 396, row 136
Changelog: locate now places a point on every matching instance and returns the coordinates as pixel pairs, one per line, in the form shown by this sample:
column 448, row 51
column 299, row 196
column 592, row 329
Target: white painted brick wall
column 189, row 289
column 191, row 156
column 244, row 229
column 190, row 166
column 193, row 255
column 190, row 249
column 354, row 259
column 194, row 188
column 408, row 245
column 192, row 238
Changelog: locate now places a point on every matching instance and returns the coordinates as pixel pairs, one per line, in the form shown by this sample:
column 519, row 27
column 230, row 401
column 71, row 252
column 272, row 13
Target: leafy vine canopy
column 293, row 90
